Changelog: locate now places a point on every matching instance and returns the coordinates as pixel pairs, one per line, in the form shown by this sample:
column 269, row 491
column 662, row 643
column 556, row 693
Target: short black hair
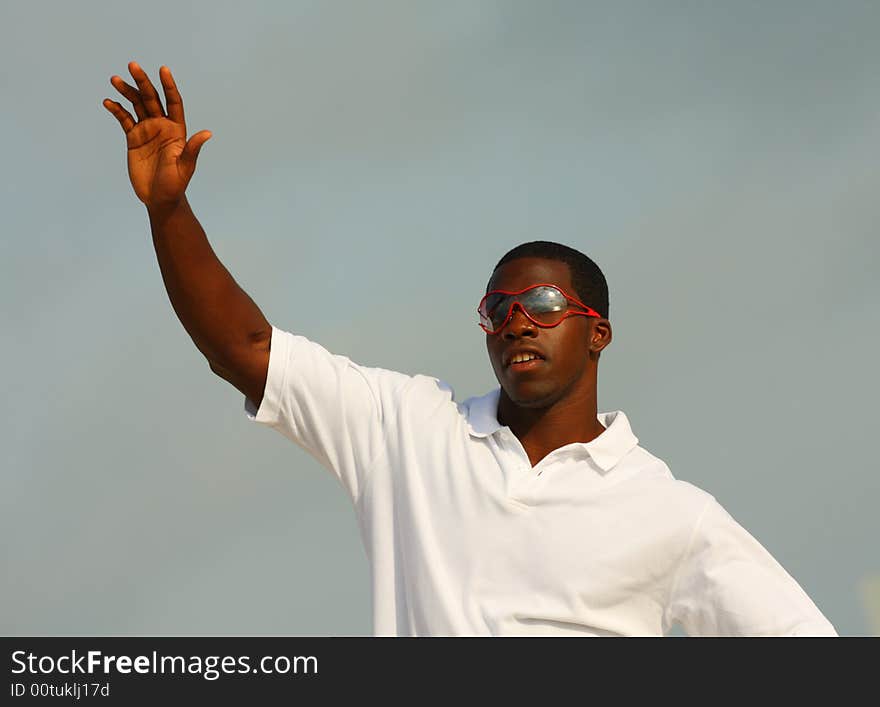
column 589, row 282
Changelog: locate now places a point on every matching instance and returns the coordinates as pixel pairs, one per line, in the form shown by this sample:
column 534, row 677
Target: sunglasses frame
column 590, row 312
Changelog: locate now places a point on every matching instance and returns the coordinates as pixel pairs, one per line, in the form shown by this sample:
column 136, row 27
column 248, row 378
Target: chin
column 531, row 395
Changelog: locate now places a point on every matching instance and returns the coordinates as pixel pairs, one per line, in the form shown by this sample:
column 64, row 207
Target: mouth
column 524, row 366
column 524, row 361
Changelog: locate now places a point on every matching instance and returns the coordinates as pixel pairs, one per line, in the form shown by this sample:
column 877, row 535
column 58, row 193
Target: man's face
column 564, row 350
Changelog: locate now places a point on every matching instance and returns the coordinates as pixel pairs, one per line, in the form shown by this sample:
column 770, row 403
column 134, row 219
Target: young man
column 524, row 511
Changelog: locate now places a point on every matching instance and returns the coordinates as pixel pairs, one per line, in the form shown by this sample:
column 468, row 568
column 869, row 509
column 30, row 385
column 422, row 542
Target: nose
column 519, row 324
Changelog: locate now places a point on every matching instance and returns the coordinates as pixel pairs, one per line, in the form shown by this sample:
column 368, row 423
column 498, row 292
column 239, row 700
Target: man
column 524, row 511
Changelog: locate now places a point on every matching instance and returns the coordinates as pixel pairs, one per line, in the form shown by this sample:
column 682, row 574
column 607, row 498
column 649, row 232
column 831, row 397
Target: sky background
column 719, row 161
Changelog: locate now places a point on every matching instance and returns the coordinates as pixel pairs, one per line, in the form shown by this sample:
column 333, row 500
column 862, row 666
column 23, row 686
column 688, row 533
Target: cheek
column 573, row 351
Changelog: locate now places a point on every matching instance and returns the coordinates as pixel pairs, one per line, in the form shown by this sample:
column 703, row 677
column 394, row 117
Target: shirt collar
column 482, row 414
column 606, row 450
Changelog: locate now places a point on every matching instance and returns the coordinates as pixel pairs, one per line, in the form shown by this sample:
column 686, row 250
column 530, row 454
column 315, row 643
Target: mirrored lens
column 492, row 302
column 545, row 305
column 494, row 310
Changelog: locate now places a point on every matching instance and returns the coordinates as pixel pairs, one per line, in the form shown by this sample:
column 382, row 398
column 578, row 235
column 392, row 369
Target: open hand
column 161, row 161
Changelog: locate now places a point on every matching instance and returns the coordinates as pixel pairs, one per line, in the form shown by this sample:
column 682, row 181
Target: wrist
column 163, row 210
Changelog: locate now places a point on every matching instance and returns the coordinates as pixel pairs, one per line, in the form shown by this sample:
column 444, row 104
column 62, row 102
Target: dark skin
column 551, row 402
column 547, row 405
column 223, row 321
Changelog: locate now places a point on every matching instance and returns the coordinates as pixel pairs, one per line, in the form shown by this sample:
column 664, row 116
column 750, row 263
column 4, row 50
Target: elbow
column 218, row 369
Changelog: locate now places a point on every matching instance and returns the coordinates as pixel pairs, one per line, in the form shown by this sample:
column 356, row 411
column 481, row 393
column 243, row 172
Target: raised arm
column 222, row 320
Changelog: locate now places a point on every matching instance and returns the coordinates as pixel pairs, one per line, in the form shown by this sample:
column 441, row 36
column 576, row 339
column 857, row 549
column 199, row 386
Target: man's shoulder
column 656, row 476
column 302, row 351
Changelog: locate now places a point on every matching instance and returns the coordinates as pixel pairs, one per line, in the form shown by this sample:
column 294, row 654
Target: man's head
column 568, row 353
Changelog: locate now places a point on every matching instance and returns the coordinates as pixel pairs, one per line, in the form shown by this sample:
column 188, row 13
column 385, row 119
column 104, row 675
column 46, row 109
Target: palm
column 154, row 149
column 161, row 161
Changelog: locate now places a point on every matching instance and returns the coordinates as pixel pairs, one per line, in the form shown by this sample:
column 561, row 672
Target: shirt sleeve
column 728, row 584
column 333, row 408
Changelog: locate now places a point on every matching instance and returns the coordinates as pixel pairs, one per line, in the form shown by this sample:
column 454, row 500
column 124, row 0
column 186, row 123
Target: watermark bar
column 261, row 670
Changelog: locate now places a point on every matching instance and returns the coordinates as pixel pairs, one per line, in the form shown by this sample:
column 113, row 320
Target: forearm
column 219, row 316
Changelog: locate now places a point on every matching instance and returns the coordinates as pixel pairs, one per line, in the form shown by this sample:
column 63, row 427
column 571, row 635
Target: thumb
column 193, row 147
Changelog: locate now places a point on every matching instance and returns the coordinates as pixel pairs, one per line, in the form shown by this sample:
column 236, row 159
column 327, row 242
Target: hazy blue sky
column 370, row 160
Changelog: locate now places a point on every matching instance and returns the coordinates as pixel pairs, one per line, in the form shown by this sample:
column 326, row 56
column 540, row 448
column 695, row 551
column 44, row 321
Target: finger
column 132, row 94
column 149, row 95
column 122, row 115
column 193, row 147
column 172, row 96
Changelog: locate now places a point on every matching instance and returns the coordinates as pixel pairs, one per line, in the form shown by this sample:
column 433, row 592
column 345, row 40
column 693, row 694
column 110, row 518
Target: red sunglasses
column 546, row 305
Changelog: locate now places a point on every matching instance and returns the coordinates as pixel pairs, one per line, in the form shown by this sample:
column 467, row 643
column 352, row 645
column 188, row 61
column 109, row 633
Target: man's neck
column 541, row 430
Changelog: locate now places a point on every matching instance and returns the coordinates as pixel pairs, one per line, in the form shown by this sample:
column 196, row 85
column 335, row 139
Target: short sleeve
column 333, row 408
column 728, row 584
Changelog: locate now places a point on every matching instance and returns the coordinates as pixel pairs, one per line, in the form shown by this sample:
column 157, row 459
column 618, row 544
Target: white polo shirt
column 464, row 537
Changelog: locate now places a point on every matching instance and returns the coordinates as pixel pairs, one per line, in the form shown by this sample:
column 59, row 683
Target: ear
column 600, row 336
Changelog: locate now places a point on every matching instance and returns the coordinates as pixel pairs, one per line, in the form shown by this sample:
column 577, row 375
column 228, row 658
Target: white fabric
column 464, row 537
